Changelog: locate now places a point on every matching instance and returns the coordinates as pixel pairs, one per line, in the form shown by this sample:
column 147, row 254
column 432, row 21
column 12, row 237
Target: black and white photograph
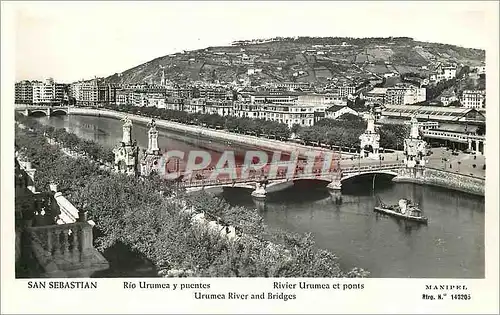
column 301, row 142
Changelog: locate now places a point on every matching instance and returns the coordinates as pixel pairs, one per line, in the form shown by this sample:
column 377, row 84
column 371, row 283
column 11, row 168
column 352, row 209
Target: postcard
column 249, row 157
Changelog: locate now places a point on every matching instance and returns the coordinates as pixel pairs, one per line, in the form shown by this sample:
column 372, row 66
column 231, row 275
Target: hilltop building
column 443, row 72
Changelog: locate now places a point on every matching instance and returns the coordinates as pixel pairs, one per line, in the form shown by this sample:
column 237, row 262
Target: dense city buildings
column 289, row 92
column 47, row 92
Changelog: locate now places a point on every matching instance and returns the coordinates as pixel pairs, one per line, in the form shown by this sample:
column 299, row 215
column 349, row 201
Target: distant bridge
column 29, row 110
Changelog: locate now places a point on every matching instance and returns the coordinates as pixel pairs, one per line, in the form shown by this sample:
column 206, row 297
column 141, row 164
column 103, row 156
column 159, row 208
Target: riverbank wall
column 203, row 132
column 444, row 179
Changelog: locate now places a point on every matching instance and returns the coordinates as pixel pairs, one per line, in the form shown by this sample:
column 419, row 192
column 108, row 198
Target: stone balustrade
column 66, row 250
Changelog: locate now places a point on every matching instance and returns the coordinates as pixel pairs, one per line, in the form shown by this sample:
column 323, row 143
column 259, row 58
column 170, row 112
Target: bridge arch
column 350, row 176
column 38, row 112
column 59, row 112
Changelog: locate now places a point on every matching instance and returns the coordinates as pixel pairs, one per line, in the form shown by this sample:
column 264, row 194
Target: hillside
column 302, row 59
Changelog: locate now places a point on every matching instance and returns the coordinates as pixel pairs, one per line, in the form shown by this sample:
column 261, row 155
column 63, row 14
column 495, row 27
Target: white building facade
column 473, row 99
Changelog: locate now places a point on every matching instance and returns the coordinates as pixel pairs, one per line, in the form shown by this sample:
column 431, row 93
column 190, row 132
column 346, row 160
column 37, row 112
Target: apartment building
column 403, row 94
column 195, row 105
column 288, row 114
column 375, row 96
column 181, row 91
column 158, row 101
column 243, row 109
column 344, row 90
column 174, row 103
column 480, row 69
column 122, row 97
column 282, row 113
column 213, row 93
column 47, row 92
column 93, row 92
column 473, row 99
column 210, row 106
column 23, row 92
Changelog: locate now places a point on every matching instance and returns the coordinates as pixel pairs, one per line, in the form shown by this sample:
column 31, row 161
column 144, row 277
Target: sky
column 72, row 41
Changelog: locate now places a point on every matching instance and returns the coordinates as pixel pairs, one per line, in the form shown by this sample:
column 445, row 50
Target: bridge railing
column 372, row 167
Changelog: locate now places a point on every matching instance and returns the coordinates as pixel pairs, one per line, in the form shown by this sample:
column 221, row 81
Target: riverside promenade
column 204, row 132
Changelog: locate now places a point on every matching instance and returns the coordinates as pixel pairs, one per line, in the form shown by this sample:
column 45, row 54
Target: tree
column 392, row 136
column 295, row 128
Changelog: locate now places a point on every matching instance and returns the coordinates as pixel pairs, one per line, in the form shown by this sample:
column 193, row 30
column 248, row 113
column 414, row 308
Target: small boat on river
column 405, row 209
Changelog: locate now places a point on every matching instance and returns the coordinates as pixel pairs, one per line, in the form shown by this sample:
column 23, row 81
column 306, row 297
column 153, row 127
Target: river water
column 450, row 246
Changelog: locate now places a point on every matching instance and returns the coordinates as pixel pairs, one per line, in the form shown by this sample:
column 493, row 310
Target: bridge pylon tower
column 150, row 162
column 414, row 147
column 260, row 192
column 127, row 152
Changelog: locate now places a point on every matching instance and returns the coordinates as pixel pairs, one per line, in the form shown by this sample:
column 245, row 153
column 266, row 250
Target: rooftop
column 433, row 112
column 335, row 108
column 377, row 90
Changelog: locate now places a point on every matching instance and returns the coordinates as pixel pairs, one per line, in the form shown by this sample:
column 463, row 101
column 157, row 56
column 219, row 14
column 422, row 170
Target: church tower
column 370, row 140
column 414, row 146
column 126, row 153
column 151, row 159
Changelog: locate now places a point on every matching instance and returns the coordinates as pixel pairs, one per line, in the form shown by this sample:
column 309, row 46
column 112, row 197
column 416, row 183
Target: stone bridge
column 29, row 110
column 263, row 185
